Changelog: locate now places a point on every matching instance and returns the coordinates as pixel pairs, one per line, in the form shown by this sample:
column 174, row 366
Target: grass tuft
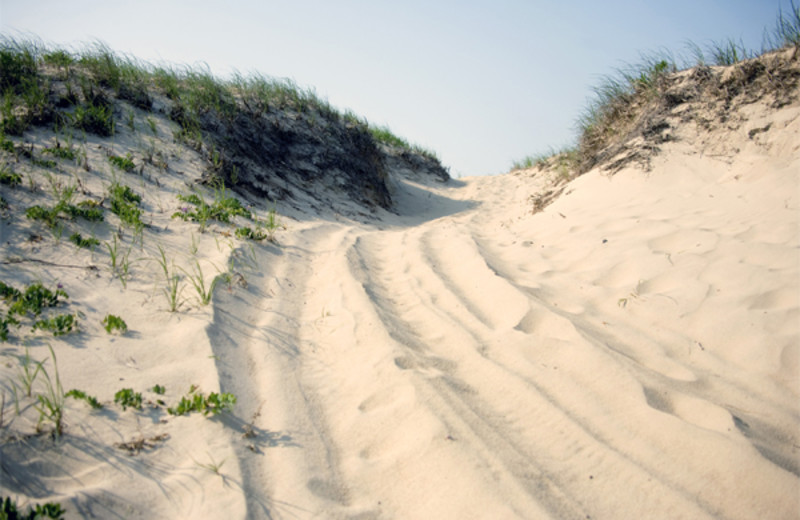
column 51, row 402
column 125, row 204
column 786, row 32
column 123, row 163
column 222, row 209
column 204, row 294
column 622, row 97
column 85, row 243
column 172, row 281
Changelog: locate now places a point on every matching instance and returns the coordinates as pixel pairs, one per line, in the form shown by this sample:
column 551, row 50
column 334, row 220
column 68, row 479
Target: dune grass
column 384, row 135
column 786, row 32
column 44, row 85
column 619, row 97
column 564, row 158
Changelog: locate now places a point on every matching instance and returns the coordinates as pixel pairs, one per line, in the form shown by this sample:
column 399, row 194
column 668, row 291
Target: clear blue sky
column 482, row 83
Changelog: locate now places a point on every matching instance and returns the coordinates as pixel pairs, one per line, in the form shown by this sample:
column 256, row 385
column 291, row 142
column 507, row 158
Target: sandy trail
column 630, row 351
column 632, row 348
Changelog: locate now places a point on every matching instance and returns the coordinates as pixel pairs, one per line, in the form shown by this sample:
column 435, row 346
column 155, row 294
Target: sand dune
column 631, row 351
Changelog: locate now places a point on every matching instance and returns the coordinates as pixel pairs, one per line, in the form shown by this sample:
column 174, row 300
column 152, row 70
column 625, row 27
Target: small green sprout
column 86, row 243
column 81, row 395
column 112, row 323
column 127, row 397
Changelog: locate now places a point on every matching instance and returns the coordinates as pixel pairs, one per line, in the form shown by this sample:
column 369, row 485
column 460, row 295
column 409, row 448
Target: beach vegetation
column 248, row 233
column 62, row 193
column 59, row 324
column 126, row 398
column 622, row 97
column 47, row 215
column 85, row 243
column 530, row 161
column 125, row 204
column 172, row 281
column 224, row 208
column 264, row 230
column 10, row 511
column 120, row 260
column 8, row 292
column 32, row 301
column 7, row 145
column 204, row 293
column 729, row 52
column 154, row 156
column 213, row 403
column 384, row 135
column 61, row 152
column 83, row 396
column 35, row 299
column 114, row 323
column 786, row 32
column 5, row 323
column 123, row 163
column 564, row 160
column 213, row 466
column 44, row 163
column 131, row 119
column 8, row 177
column 96, row 117
column 58, row 58
column 128, row 78
column 86, row 209
column 152, row 124
column 51, row 403
column 27, row 371
column 83, row 90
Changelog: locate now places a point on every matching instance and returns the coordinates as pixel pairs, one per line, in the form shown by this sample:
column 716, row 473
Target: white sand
column 632, row 351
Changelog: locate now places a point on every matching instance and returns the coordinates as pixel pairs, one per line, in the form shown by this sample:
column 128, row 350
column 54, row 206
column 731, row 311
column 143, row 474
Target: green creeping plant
column 214, row 404
column 80, row 394
column 8, row 510
column 58, row 325
column 127, row 397
column 35, row 298
column 112, row 323
column 85, row 243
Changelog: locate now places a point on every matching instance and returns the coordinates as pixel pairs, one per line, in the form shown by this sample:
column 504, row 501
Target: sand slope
column 632, row 351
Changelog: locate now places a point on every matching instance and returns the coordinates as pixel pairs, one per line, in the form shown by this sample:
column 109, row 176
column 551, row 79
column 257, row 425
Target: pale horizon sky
column 481, row 83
